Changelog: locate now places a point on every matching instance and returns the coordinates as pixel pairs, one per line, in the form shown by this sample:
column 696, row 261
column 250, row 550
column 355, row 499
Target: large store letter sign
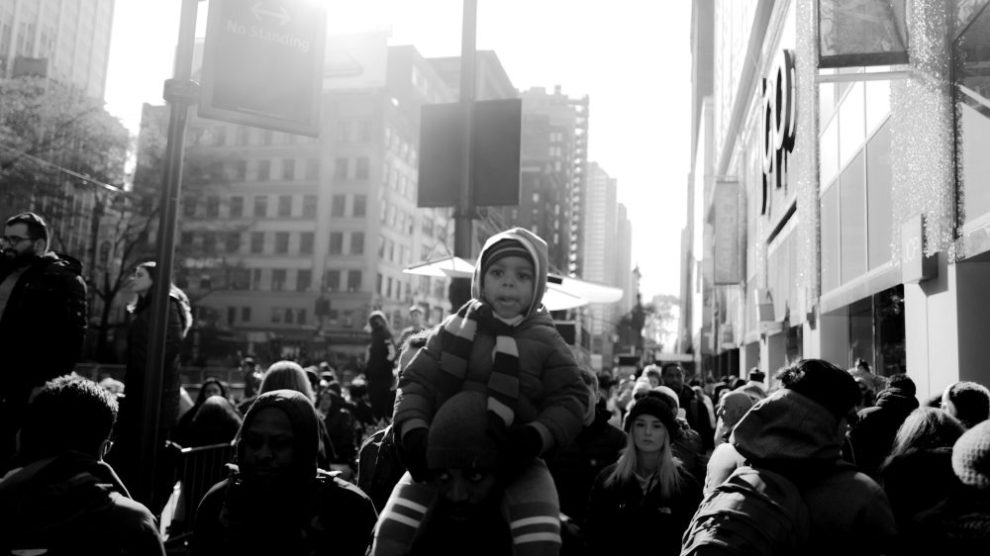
column 779, row 121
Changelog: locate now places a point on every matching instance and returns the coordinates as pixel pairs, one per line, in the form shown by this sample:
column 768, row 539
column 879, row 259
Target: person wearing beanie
column 277, row 501
column 646, row 490
column 798, row 431
column 503, row 343
column 967, row 401
column 961, row 524
column 466, row 508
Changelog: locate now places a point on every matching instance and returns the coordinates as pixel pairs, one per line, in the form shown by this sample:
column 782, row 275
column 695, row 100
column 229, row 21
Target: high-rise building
column 66, row 41
column 604, row 255
column 287, row 243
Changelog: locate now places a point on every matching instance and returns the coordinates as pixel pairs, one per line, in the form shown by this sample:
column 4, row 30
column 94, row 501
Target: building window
column 257, row 242
column 306, row 243
column 304, row 278
column 239, row 278
column 260, row 206
column 364, row 131
column 245, row 314
column 285, row 205
column 278, row 279
column 337, row 205
column 379, row 283
column 189, row 207
column 360, row 205
column 353, row 280
column 300, row 316
column 281, row 242
column 390, row 284
column 231, row 315
column 288, row 169
column 240, row 170
column 277, row 315
column 233, row 242
column 264, row 170
column 340, row 169
column 336, row 243
column 309, row 206
column 256, row 278
column 241, row 137
column 209, row 243
column 236, row 206
column 363, row 168
column 357, row 243
column 312, row 168
column 332, row 280
column 212, row 206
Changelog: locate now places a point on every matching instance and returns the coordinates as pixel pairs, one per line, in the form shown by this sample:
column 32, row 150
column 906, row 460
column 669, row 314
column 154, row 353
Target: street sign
column 496, row 151
column 263, row 63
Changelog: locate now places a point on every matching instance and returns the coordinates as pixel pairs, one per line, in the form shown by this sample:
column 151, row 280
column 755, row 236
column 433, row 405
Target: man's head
column 673, row 376
column 70, row 413
column 824, row 383
column 756, row 375
column 416, row 315
column 967, row 401
column 279, row 440
column 511, row 273
column 463, row 456
column 25, row 238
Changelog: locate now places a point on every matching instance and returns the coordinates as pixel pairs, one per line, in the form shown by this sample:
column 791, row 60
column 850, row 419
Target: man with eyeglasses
column 42, row 319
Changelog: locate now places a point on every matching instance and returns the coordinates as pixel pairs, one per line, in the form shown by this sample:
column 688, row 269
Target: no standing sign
column 263, row 63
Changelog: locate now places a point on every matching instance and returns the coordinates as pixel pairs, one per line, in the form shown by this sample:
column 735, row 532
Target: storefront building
column 839, row 200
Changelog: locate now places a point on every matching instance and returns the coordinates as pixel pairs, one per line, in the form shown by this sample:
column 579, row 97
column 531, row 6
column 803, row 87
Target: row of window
column 391, row 288
column 285, row 206
column 282, row 169
column 284, row 243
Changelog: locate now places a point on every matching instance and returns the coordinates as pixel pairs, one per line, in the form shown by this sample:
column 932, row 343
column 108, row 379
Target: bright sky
column 632, row 57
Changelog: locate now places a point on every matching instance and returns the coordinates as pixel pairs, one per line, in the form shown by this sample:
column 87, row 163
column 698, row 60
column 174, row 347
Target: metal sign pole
column 460, row 288
column 180, row 93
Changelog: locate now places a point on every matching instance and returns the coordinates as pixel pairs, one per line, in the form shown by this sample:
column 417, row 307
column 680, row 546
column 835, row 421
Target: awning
column 562, row 292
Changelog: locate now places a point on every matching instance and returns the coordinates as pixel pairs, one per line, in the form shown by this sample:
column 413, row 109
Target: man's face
column 212, row 389
column 673, row 379
column 416, row 317
column 464, row 492
column 268, row 446
column 508, row 286
column 18, row 245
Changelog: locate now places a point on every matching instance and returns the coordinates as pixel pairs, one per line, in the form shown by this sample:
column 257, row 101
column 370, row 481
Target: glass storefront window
column 830, row 239
column 879, row 204
column 852, row 124
column 973, row 111
column 852, row 229
column 828, row 148
column 877, row 104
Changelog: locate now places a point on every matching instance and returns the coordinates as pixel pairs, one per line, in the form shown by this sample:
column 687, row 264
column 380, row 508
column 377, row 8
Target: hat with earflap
column 656, row 404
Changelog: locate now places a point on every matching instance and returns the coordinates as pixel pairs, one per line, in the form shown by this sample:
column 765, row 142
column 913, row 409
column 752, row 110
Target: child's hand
column 523, row 445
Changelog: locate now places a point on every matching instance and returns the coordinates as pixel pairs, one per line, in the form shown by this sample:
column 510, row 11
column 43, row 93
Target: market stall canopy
column 562, row 292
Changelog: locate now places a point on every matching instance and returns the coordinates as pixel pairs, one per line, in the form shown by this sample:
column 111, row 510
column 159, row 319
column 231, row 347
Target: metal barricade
column 196, row 471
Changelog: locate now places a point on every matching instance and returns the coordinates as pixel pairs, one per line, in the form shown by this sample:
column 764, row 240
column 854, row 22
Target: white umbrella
column 562, row 292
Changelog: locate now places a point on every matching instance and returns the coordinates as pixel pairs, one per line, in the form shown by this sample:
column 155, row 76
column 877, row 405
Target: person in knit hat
column 277, row 501
column 502, row 343
column 463, row 457
column 647, row 489
column 961, row 524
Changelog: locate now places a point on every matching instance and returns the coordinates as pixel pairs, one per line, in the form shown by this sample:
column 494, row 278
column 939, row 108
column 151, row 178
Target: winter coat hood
column 788, row 426
column 896, row 399
column 305, row 432
column 52, row 493
column 537, row 249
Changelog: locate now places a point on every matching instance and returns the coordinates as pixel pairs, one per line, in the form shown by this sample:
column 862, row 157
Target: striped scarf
column 457, row 337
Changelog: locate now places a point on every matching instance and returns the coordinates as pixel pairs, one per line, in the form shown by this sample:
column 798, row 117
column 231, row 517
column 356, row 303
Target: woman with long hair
column 141, row 284
column 917, row 476
column 647, row 489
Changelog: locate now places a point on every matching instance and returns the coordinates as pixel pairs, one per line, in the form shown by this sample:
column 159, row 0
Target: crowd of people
column 483, row 434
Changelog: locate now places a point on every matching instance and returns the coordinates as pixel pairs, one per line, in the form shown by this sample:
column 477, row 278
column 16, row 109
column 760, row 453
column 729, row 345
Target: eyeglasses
column 13, row 240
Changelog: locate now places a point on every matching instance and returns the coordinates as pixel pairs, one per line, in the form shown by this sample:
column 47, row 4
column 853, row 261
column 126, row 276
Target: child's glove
column 413, row 454
column 523, row 445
